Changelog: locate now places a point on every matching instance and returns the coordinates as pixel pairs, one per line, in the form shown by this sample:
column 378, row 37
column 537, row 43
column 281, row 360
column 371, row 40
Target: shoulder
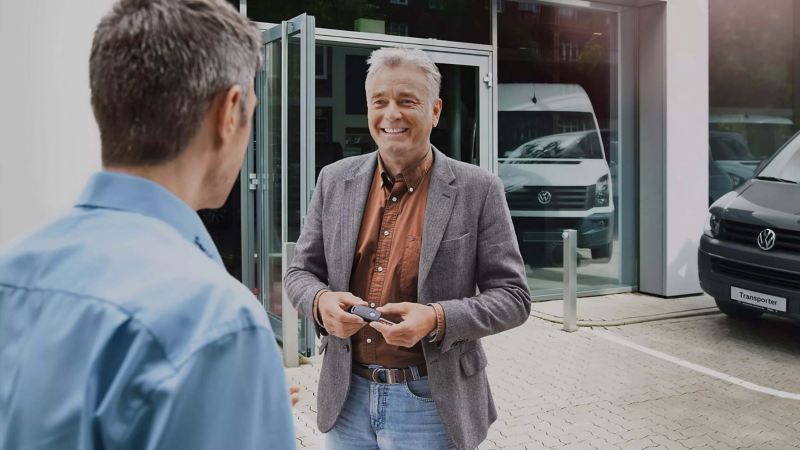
column 347, row 167
column 141, row 267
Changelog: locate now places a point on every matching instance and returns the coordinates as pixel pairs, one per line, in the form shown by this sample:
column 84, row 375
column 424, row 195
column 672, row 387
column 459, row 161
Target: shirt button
column 369, row 341
column 411, row 189
column 380, row 269
column 372, row 305
column 394, row 199
column 385, row 232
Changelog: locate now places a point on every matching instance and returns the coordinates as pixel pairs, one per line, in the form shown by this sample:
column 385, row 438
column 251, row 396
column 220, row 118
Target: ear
column 229, row 110
column 437, row 110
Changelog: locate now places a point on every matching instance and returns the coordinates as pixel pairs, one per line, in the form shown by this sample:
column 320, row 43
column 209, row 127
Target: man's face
column 400, row 112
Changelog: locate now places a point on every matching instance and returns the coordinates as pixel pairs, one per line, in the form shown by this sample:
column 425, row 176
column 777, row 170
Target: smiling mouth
column 394, row 131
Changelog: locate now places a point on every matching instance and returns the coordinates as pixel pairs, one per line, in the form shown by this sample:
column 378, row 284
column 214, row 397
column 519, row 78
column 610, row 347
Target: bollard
column 570, row 238
column 291, row 352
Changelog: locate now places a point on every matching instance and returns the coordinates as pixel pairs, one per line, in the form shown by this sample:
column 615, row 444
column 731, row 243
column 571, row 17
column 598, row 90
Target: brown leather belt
column 388, row 376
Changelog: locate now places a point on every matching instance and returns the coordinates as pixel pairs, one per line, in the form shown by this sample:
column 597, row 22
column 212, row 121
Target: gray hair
column 392, row 57
column 155, row 68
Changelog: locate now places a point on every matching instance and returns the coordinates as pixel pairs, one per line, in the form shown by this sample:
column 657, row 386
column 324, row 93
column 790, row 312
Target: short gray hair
column 155, row 68
column 393, row 57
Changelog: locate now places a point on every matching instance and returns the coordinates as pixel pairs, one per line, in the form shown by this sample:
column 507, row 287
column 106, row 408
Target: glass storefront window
column 754, row 86
column 451, row 20
column 558, row 141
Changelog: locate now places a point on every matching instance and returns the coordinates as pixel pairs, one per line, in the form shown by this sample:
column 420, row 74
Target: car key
column 369, row 314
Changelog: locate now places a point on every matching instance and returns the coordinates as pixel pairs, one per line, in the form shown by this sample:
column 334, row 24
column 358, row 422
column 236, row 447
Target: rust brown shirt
column 386, row 262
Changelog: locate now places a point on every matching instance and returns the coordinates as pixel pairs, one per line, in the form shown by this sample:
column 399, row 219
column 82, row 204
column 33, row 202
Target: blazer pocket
column 451, row 244
column 473, row 362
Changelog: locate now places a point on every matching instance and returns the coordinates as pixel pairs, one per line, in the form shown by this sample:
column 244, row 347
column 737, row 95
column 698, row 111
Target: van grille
column 758, row 274
column 747, row 234
column 575, row 198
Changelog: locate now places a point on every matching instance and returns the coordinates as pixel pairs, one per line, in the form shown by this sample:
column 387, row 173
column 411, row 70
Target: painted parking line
column 696, row 367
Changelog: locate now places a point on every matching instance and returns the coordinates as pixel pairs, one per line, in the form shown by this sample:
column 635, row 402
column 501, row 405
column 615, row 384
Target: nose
column 392, row 112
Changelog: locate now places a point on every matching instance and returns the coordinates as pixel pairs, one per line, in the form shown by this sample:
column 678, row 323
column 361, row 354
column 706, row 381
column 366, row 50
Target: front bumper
column 595, row 230
column 725, row 264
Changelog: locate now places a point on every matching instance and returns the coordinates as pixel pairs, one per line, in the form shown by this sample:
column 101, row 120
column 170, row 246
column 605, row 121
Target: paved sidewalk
column 582, row 390
column 621, row 309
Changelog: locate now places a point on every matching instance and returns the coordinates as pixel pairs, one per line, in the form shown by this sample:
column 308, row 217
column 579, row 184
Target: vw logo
column 544, row 197
column 766, row 239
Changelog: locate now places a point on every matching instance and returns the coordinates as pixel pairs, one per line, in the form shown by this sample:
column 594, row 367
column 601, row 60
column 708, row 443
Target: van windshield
column 786, row 164
column 548, row 135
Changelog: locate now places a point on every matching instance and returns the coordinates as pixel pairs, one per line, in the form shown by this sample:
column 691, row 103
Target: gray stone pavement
column 581, row 390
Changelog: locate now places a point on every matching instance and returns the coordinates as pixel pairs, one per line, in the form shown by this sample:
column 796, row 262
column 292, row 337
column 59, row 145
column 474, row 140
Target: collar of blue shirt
column 122, row 192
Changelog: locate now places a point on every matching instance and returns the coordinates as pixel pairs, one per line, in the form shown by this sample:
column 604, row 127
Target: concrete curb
column 630, row 320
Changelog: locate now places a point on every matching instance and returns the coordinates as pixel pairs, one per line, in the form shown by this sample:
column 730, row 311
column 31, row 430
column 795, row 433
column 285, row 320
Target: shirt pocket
column 409, row 269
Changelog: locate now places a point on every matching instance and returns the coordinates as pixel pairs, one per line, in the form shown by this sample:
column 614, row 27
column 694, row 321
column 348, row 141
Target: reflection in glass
column 558, row 144
column 754, row 104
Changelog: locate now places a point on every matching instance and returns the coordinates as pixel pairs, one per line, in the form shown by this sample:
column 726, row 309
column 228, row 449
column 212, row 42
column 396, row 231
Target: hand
column 294, row 394
column 418, row 322
column 337, row 321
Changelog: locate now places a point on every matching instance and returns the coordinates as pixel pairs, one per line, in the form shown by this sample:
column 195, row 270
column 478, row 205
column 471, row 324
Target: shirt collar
column 122, row 192
column 412, row 175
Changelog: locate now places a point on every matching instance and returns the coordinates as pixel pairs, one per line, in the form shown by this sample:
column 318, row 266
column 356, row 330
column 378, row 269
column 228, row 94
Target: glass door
column 282, row 159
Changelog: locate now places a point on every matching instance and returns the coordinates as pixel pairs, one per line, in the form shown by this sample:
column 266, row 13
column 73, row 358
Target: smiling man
column 412, row 233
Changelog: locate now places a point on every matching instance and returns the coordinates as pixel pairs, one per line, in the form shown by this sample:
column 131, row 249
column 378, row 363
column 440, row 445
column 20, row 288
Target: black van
column 749, row 257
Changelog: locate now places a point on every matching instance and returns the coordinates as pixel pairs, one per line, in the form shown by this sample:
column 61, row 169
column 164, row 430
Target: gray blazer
column 468, row 242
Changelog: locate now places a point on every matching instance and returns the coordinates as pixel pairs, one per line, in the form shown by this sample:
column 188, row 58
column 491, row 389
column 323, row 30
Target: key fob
column 368, row 314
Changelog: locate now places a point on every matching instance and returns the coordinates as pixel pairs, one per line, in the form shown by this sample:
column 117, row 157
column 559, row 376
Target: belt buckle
column 390, row 375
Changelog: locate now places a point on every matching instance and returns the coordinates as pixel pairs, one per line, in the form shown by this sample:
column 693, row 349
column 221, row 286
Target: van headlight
column 712, row 225
column 601, row 191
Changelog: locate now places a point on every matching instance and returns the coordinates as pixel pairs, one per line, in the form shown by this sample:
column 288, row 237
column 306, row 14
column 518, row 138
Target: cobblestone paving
column 580, row 391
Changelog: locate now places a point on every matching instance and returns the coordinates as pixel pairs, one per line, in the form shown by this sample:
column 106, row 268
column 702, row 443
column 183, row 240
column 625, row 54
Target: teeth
column 394, row 130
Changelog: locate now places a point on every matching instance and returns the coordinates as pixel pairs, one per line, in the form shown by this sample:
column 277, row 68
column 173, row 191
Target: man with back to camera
column 412, row 233
column 119, row 327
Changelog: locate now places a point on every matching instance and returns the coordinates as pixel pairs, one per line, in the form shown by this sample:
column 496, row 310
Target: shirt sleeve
column 231, row 393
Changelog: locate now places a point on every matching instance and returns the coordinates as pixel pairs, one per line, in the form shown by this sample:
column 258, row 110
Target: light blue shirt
column 119, row 328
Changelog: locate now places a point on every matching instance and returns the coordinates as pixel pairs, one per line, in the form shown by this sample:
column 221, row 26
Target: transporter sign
column 763, row 301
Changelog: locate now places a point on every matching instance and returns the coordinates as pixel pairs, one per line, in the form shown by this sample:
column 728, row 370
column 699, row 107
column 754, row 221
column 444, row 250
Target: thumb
column 393, row 308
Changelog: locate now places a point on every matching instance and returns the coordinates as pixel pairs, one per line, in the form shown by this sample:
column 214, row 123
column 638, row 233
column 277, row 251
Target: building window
column 567, row 13
column 399, row 2
column 530, row 7
column 435, row 4
column 570, row 51
column 398, row 28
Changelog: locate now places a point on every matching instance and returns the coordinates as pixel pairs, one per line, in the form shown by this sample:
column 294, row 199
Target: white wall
column 673, row 107
column 50, row 143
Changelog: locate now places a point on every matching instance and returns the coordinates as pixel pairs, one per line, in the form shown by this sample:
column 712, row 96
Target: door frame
column 252, row 176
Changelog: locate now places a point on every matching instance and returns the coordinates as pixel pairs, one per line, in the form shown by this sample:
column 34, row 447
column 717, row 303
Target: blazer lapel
column 441, row 197
column 356, row 190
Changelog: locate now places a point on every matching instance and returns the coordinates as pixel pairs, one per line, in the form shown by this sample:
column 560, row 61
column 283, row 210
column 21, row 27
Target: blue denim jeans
column 388, row 417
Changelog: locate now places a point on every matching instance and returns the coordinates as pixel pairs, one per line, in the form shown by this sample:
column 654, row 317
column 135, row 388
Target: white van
column 554, row 167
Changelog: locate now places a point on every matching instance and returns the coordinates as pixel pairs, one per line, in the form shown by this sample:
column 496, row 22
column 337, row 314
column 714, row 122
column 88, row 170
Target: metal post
column 291, row 352
column 570, row 238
